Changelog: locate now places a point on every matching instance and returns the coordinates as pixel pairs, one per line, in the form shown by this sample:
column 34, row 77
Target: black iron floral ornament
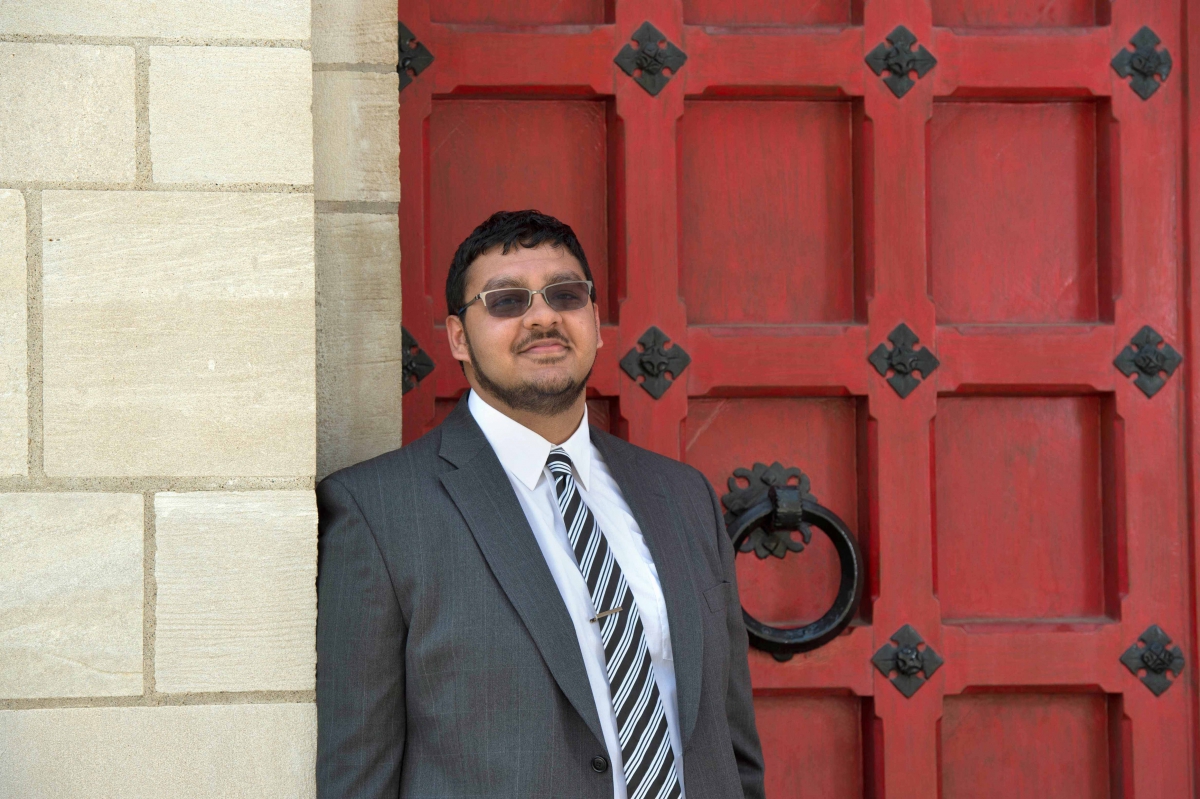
column 415, row 365
column 414, row 56
column 899, row 59
column 1143, row 63
column 1155, row 658
column 653, row 61
column 1145, row 358
column 909, row 659
column 655, row 362
column 902, row 360
column 759, row 480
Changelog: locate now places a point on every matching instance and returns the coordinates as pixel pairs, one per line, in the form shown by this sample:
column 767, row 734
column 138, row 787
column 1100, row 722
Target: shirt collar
column 523, row 452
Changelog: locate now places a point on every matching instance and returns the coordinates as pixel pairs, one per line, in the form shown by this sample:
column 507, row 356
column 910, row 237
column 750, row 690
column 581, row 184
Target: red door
column 979, row 199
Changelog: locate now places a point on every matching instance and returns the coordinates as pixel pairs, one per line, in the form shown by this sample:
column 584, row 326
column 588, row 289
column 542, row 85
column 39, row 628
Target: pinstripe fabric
column 649, row 763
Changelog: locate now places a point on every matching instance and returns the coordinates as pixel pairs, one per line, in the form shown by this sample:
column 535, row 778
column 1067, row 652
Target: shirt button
column 599, row 764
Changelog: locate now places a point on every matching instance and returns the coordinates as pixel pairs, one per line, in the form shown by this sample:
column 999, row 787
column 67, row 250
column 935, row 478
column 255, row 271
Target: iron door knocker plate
column 784, row 508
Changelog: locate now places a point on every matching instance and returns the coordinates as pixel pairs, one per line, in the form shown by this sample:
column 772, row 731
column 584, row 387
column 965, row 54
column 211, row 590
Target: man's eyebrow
column 503, row 282
column 508, row 282
column 562, row 277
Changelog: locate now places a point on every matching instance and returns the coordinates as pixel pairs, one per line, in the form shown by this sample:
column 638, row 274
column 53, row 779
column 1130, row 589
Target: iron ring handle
column 779, row 510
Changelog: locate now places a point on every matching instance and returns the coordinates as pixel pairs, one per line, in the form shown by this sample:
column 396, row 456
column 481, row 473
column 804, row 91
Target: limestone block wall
column 357, row 181
column 199, row 315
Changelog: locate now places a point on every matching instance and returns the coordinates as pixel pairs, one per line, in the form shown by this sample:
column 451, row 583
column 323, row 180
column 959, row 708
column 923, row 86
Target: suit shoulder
column 643, row 458
column 407, row 459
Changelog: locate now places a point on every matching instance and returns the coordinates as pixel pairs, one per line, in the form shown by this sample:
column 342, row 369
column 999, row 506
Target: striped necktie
column 649, row 763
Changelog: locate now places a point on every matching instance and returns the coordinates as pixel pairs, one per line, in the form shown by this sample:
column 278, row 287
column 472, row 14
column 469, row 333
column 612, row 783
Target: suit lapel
column 668, row 546
column 485, row 498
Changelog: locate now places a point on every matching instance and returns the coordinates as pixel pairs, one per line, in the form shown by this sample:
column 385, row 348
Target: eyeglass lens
column 507, row 303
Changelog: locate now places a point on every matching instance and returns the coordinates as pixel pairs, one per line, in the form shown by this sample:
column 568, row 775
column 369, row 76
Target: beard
column 544, row 398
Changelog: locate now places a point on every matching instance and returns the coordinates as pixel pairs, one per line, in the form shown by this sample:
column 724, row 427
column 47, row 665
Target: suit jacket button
column 599, row 764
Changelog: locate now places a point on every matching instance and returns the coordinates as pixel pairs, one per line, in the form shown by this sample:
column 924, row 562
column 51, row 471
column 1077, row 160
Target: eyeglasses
column 510, row 303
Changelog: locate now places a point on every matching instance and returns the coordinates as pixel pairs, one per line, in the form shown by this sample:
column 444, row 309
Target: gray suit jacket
column 447, row 665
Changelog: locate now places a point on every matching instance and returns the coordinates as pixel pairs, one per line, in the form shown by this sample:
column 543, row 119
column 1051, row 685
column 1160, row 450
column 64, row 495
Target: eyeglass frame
column 532, row 293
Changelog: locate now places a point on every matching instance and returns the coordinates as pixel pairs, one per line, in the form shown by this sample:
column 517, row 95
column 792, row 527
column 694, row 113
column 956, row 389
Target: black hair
column 508, row 230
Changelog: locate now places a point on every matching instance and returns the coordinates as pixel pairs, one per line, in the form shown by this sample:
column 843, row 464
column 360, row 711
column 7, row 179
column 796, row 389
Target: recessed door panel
column 821, row 760
column 1019, row 512
column 1013, row 212
column 1004, row 746
column 766, row 206
column 817, row 436
column 561, row 147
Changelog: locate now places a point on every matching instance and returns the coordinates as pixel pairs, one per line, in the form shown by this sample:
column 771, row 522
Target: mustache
column 536, row 337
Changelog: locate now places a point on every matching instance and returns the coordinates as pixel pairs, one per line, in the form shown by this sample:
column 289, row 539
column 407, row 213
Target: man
column 518, row 605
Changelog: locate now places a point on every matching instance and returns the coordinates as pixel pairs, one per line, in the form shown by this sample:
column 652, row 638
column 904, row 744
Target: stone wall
column 357, row 160
column 199, row 314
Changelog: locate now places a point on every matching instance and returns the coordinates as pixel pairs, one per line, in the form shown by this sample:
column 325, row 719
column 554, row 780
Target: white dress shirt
column 523, row 454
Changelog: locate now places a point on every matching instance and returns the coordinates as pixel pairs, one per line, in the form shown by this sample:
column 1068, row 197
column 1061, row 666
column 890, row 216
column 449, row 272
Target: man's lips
column 543, row 346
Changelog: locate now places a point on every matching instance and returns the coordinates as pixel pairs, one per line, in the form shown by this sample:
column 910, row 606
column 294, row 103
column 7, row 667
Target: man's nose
column 540, row 314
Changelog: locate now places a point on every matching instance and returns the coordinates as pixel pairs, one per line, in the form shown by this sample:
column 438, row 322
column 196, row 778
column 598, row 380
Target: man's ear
column 456, row 335
column 599, row 335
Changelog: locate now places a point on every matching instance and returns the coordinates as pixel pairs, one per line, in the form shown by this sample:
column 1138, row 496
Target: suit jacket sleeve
column 360, row 657
column 739, row 701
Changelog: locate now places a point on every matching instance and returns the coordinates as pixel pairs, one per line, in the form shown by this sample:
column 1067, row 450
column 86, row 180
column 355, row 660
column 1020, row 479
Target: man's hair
column 508, row 230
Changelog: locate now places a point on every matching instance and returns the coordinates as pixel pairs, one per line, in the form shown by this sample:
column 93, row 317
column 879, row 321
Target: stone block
column 213, row 19
column 68, row 112
column 71, row 596
column 237, row 604
column 231, row 115
column 178, row 334
column 14, row 405
column 359, row 354
column 354, row 32
column 241, row 751
column 356, row 150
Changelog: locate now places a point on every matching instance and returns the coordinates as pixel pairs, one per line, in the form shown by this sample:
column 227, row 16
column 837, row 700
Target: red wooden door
column 779, row 208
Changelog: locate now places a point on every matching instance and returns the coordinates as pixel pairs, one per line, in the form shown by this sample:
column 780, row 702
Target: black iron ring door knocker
column 761, row 518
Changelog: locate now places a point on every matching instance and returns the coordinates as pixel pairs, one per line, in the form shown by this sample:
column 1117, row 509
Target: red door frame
column 1190, row 218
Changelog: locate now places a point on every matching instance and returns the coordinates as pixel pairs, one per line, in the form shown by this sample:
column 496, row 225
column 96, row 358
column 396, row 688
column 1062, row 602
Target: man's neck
column 556, row 429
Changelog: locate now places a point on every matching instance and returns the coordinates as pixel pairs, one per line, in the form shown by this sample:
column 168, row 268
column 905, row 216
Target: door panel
column 767, row 13
column 562, row 148
column 821, row 761
column 794, row 221
column 1053, row 745
column 766, row 212
column 513, row 13
column 1023, row 14
column 1006, row 248
column 1019, row 531
column 817, row 434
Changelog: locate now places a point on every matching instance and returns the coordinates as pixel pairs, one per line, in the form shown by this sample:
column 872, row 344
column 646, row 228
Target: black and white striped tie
column 641, row 719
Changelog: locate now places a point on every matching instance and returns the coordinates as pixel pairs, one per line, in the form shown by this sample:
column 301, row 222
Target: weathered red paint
column 777, row 211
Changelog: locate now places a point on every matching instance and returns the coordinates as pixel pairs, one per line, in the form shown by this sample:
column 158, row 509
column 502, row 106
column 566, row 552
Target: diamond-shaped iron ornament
column 907, row 660
column 1143, row 63
column 655, row 361
column 653, row 61
column 899, row 59
column 414, row 56
column 740, row 499
column 1144, row 358
column 415, row 365
column 903, row 360
column 1155, row 659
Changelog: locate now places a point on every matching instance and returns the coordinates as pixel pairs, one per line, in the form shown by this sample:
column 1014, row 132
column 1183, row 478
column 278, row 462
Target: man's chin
column 548, row 394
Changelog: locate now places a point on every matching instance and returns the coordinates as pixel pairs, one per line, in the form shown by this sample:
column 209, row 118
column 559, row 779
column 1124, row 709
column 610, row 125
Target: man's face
column 538, row 362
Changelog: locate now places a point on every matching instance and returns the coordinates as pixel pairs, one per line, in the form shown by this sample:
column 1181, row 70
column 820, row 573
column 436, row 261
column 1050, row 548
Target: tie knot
column 558, row 461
